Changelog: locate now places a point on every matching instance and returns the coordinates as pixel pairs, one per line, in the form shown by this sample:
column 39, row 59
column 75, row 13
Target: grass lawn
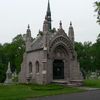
column 22, row 92
column 92, row 83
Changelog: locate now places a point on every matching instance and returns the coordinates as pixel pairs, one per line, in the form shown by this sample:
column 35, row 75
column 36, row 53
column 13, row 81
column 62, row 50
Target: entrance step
column 62, row 82
column 66, row 83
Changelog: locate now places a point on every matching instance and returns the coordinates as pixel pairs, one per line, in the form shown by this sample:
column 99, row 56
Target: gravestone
column 14, row 77
column 93, row 75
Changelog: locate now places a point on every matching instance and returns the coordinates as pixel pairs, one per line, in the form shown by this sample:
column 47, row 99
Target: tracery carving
column 63, row 40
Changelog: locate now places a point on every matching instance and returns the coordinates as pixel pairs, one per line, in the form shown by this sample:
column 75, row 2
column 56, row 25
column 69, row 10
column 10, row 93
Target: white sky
column 15, row 15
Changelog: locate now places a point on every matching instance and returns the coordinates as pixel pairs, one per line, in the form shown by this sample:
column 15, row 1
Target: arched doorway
column 58, row 69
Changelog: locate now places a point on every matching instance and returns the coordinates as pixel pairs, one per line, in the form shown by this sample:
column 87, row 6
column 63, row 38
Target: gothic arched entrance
column 58, row 69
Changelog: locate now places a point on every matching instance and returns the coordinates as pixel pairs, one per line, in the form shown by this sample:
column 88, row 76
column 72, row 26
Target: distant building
column 51, row 56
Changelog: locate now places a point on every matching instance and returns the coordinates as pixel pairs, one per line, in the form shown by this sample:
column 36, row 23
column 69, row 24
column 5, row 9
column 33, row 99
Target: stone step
column 61, row 82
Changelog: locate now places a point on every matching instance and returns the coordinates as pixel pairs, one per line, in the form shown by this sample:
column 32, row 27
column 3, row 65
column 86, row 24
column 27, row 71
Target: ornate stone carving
column 63, row 40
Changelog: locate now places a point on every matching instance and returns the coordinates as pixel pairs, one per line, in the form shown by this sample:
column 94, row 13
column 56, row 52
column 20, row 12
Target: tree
column 97, row 52
column 12, row 52
column 18, row 47
column 89, row 55
column 85, row 58
column 97, row 9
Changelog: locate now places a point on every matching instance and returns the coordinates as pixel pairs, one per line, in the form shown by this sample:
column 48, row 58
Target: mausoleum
column 51, row 56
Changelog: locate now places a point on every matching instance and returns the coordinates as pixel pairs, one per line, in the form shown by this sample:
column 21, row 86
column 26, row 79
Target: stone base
column 59, row 82
column 8, row 81
column 71, row 83
column 76, row 83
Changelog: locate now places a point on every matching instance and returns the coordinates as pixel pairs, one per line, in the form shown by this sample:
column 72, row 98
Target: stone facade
column 51, row 56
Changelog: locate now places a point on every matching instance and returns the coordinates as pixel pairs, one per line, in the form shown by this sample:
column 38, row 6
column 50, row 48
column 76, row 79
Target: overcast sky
column 15, row 15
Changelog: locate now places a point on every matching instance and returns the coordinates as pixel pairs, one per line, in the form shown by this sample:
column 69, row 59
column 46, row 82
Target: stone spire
column 71, row 33
column 48, row 9
column 28, row 32
column 28, row 39
column 48, row 16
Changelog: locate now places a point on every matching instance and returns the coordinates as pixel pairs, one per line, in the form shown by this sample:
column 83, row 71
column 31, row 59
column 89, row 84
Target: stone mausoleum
column 51, row 56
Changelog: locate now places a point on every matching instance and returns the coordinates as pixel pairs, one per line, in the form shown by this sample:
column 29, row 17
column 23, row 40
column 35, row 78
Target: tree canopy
column 13, row 53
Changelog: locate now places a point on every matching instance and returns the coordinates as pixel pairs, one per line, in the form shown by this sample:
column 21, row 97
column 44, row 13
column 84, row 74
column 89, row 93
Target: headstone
column 14, row 77
column 8, row 75
column 99, row 77
column 93, row 75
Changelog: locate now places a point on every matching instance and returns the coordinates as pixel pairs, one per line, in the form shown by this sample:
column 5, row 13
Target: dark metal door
column 58, row 69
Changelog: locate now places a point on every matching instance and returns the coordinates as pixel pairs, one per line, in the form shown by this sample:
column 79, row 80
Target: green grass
column 92, row 83
column 22, row 92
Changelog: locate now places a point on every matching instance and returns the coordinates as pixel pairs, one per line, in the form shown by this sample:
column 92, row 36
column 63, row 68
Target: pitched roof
column 37, row 43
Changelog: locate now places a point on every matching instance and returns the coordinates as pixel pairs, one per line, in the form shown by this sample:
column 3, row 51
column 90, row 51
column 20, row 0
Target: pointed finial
column 60, row 24
column 28, row 26
column 48, row 2
column 28, row 32
column 70, row 23
column 48, row 5
column 48, row 9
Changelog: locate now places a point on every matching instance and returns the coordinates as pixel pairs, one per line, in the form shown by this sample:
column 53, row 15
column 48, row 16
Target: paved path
column 89, row 95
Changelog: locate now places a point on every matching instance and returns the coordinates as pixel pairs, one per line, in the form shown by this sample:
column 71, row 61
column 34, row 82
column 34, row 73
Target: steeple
column 71, row 33
column 48, row 16
column 48, row 9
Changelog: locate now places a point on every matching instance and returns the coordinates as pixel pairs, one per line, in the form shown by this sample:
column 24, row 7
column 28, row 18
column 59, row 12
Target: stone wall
column 24, row 74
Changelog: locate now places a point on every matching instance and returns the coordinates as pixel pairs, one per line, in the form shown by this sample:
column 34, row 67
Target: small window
column 37, row 67
column 30, row 67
